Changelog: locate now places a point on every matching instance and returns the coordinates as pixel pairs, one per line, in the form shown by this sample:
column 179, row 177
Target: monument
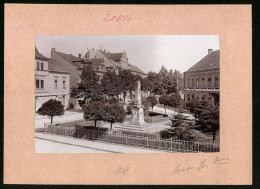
column 137, row 123
column 138, row 110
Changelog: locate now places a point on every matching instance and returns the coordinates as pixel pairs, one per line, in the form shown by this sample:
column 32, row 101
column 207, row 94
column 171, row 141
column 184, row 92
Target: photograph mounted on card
column 116, row 94
column 112, row 94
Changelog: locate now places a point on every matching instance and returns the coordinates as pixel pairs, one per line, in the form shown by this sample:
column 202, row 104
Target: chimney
column 210, row 51
column 52, row 49
column 104, row 50
column 108, row 52
column 79, row 55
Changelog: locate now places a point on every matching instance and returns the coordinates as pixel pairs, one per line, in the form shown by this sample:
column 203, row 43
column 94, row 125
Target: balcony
column 41, row 72
column 209, row 89
column 40, row 90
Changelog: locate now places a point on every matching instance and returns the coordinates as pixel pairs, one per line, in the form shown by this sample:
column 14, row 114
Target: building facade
column 51, row 81
column 202, row 80
column 100, row 60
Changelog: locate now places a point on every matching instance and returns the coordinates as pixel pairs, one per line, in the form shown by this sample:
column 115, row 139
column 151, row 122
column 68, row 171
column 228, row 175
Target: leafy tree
column 89, row 85
column 146, row 106
column 196, row 107
column 113, row 101
column 208, row 121
column 111, row 84
column 174, row 100
column 192, row 105
column 147, row 84
column 114, row 113
column 153, row 101
column 164, row 99
column 179, row 80
column 51, row 108
column 94, row 110
column 126, row 81
column 171, row 82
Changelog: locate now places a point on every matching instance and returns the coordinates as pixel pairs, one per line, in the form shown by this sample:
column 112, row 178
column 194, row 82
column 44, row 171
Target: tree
column 153, row 101
column 126, row 81
column 114, row 113
column 89, row 85
column 192, row 105
column 171, row 82
column 146, row 106
column 196, row 107
column 51, row 108
column 111, row 84
column 174, row 100
column 164, row 99
column 94, row 110
column 208, row 121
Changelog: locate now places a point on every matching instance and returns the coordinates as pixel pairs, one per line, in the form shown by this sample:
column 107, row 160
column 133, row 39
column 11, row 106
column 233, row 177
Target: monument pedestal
column 137, row 117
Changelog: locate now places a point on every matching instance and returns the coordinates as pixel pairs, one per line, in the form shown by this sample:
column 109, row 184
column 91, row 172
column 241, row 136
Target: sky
column 148, row 52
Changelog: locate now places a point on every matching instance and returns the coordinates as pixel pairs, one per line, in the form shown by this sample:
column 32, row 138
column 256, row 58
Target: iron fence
column 143, row 141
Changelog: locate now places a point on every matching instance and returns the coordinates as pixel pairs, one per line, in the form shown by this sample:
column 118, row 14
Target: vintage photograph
column 127, row 94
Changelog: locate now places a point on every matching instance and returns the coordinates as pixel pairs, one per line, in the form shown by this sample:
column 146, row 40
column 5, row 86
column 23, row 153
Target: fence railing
column 148, row 141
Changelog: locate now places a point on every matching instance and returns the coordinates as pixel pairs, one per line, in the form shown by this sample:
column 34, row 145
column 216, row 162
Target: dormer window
column 42, row 66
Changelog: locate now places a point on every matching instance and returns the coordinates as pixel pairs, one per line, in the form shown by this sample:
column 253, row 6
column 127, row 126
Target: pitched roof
column 211, row 61
column 69, row 57
column 54, row 66
column 136, row 69
column 116, row 56
column 39, row 55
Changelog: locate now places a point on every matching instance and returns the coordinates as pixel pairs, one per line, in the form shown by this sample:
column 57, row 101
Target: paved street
column 70, row 145
column 47, row 146
column 73, row 116
column 67, row 117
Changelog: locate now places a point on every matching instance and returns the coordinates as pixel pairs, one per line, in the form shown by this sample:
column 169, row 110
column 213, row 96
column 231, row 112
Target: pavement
column 47, row 146
column 170, row 112
column 96, row 145
column 67, row 117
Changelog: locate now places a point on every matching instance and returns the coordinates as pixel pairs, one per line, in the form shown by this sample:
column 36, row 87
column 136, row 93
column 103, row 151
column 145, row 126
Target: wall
column 51, row 92
column 67, row 66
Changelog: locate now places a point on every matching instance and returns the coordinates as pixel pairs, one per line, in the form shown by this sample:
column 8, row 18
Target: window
column 63, row 100
column 37, row 83
column 38, row 66
column 56, row 84
column 42, row 66
column 216, row 82
column 198, row 98
column 197, row 83
column 193, row 83
column 192, row 96
column 209, row 82
column 188, row 84
column 42, row 84
column 64, row 84
column 202, row 82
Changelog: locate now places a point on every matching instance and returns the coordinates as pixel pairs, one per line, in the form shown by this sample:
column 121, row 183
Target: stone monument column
column 138, row 111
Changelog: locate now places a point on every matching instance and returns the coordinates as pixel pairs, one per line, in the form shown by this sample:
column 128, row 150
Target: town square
column 103, row 99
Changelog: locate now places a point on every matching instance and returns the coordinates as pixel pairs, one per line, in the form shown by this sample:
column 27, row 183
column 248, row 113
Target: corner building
column 201, row 81
column 51, row 81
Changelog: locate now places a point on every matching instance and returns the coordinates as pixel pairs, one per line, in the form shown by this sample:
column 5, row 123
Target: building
column 51, row 81
column 113, row 61
column 101, row 61
column 201, row 81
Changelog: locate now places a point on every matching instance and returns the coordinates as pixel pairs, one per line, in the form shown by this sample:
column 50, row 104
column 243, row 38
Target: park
column 126, row 109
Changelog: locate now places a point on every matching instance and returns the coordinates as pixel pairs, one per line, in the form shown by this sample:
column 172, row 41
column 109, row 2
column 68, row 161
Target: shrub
column 39, row 130
column 71, row 106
